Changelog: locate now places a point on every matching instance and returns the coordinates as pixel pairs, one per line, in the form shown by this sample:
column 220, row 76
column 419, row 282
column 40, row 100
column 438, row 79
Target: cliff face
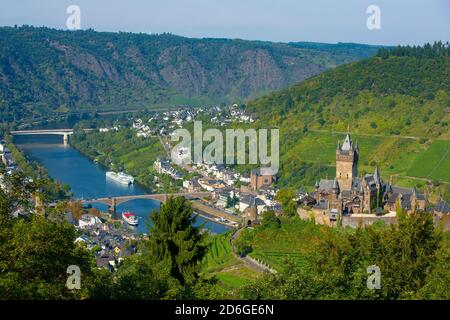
column 43, row 70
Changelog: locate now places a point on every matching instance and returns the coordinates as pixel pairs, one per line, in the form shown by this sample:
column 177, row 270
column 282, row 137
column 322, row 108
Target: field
column 434, row 163
column 219, row 261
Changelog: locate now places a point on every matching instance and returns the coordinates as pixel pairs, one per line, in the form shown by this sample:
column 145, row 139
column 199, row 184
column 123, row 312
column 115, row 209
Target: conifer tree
column 175, row 240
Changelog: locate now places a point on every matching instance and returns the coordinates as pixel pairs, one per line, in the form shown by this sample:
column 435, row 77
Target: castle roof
column 251, row 212
column 326, row 184
column 442, row 206
column 405, row 196
column 348, row 143
column 376, row 176
column 370, row 180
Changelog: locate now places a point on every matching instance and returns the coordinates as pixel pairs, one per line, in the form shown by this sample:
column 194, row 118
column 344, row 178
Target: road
column 421, row 179
column 368, row 134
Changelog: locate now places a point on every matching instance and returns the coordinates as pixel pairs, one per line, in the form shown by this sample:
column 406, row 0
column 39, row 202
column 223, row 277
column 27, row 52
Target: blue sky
column 402, row 21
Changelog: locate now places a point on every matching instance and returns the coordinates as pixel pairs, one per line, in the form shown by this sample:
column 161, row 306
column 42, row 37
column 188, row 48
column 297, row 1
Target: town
column 239, row 199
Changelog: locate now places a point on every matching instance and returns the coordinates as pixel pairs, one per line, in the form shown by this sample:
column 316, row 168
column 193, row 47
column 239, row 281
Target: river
column 87, row 180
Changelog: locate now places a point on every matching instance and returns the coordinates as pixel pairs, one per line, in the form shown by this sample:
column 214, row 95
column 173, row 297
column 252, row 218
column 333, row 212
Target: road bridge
column 60, row 132
column 113, row 202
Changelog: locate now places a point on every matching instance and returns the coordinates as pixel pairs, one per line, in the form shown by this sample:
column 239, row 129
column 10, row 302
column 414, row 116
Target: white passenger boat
column 120, row 177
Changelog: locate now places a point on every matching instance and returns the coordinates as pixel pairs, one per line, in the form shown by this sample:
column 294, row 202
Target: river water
column 88, row 181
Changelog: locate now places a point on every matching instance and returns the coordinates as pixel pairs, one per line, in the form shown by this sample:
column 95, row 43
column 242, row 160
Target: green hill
column 45, row 70
column 397, row 105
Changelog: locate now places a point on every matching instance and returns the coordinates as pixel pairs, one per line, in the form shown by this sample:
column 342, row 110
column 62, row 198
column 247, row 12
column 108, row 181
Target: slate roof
column 322, row 204
column 442, row 206
column 406, row 194
column 370, row 180
column 347, row 146
column 326, row 184
column 376, row 176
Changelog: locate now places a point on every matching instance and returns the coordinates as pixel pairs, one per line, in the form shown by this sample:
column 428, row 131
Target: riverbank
column 51, row 189
column 88, row 181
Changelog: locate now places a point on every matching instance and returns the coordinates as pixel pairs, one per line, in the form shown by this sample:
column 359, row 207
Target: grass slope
column 219, row 261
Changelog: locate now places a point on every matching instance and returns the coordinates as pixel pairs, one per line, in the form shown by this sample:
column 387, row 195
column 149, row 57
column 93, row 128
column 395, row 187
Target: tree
column 35, row 252
column 411, row 257
column 175, row 241
column 76, row 209
column 286, row 198
column 269, row 219
column 95, row 212
column 34, row 257
column 140, row 278
column 231, row 201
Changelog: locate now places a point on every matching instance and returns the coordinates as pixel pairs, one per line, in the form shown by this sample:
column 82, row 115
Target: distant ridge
column 44, row 70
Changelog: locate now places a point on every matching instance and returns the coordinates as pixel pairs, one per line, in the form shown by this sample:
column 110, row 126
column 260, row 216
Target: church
column 348, row 193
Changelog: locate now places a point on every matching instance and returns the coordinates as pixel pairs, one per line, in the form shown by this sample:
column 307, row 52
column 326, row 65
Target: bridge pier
column 113, row 206
column 66, row 139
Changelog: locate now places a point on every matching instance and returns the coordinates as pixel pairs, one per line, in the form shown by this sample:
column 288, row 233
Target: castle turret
column 376, row 176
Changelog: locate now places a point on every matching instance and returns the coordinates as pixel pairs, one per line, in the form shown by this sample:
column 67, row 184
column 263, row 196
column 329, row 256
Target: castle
column 347, row 193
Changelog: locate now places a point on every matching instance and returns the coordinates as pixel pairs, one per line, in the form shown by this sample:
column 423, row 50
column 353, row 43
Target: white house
column 88, row 220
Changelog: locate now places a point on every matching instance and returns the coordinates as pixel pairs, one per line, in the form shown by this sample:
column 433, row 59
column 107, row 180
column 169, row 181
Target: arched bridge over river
column 113, row 202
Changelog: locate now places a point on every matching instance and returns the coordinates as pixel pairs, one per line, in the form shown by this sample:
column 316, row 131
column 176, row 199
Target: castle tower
column 346, row 163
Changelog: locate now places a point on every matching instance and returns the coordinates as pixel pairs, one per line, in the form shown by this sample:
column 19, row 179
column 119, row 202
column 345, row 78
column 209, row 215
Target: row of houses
column 160, row 123
column 220, row 172
column 7, row 158
column 163, row 166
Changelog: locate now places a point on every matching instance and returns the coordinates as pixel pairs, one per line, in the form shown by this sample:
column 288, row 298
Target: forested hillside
column 45, row 70
column 397, row 105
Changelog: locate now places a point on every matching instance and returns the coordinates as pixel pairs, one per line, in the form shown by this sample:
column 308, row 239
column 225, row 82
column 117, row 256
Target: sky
column 401, row 21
